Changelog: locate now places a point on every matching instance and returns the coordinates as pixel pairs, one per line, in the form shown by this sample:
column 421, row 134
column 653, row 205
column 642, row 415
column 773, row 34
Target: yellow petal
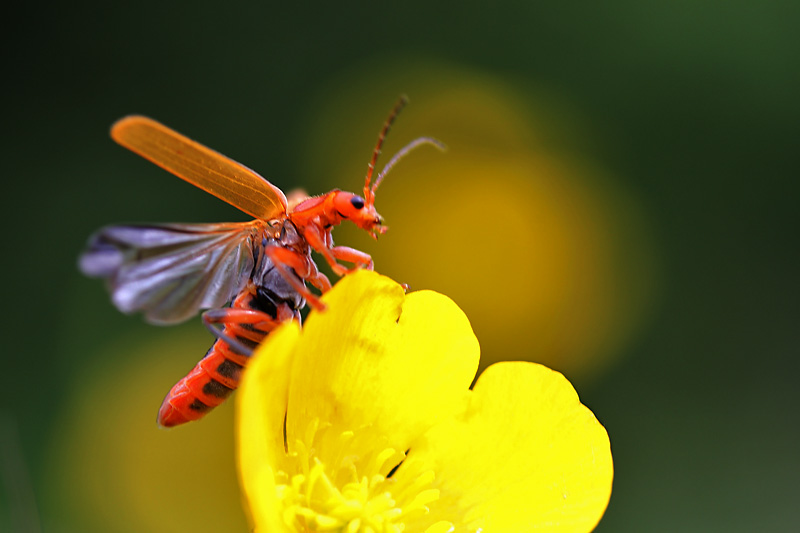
column 380, row 359
column 261, row 405
column 525, row 455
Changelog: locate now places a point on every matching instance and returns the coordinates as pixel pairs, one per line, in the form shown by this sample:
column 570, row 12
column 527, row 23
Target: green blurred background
column 616, row 202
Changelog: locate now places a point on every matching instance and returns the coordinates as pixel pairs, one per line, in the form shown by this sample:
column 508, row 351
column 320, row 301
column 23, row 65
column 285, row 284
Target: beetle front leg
column 322, row 243
column 351, row 255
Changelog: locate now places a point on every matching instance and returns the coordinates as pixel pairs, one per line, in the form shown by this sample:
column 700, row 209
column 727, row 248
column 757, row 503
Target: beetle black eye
column 357, row 202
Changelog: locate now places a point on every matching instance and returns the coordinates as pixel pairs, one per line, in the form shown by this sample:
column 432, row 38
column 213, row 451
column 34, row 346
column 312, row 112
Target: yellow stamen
column 351, row 494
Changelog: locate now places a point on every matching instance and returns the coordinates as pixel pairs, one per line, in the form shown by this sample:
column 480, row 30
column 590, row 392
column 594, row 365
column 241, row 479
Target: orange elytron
column 248, row 277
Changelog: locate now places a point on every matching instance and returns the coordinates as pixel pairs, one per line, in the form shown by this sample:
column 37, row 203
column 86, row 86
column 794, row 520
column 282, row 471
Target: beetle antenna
column 402, row 153
column 369, row 193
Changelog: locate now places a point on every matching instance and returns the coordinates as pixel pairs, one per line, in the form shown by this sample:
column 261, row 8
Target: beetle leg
column 257, row 322
column 351, row 255
column 247, row 327
column 286, row 260
column 319, row 242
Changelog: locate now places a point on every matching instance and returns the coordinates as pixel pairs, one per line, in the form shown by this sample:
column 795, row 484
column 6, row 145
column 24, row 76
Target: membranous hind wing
column 170, row 272
column 201, row 166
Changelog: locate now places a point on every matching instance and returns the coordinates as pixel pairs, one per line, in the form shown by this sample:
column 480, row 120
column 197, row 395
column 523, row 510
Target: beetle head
column 360, row 211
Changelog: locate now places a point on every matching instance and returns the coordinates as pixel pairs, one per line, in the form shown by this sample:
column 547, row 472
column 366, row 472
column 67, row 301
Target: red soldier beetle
column 248, row 277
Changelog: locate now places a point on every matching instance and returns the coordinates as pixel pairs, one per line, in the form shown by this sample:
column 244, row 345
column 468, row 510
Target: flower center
column 349, row 491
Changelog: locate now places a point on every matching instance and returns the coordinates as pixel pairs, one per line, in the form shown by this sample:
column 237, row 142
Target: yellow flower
column 364, row 422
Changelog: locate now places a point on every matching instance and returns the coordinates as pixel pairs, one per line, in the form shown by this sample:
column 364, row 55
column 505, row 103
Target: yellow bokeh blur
column 550, row 258
column 113, row 469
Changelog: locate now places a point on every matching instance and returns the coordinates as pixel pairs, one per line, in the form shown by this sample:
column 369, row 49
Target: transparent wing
column 211, row 171
column 171, row 271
